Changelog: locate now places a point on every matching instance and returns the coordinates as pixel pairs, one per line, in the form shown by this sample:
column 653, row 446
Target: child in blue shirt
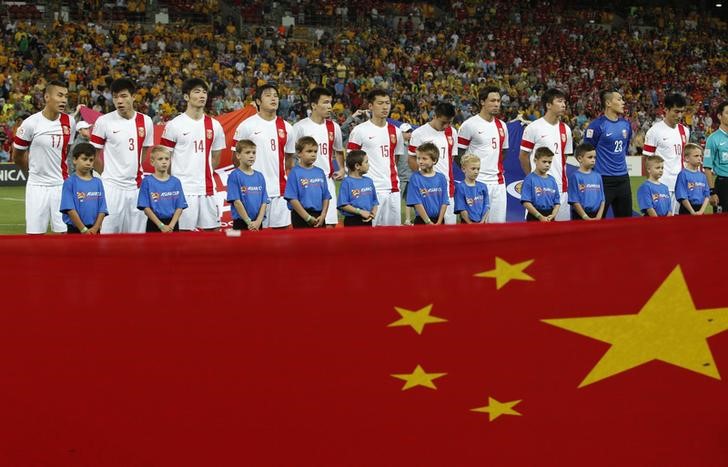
column 653, row 197
column 471, row 196
column 307, row 190
column 691, row 188
column 539, row 192
column 586, row 190
column 246, row 190
column 427, row 190
column 83, row 201
column 161, row 196
column 357, row 195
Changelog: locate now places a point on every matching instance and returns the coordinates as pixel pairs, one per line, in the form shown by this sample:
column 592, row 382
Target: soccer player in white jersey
column 486, row 136
column 121, row 136
column 270, row 134
column 196, row 140
column 383, row 143
column 327, row 134
column 40, row 147
column 439, row 132
column 551, row 132
column 667, row 138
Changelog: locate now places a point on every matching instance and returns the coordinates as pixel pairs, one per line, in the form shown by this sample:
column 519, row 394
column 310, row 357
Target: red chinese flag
column 542, row 344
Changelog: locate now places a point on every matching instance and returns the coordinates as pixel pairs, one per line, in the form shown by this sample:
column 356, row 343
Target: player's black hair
column 55, row 83
column 353, row 158
column 315, row 94
column 374, row 93
column 87, row 149
column 582, row 149
column 445, row 109
column 486, row 91
column 605, row 95
column 675, row 100
column 720, row 108
column 259, row 92
column 122, row 84
column 193, row 83
column 550, row 94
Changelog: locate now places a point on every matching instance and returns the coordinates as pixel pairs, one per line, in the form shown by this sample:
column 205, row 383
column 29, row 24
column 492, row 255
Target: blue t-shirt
column 357, row 192
column 163, row 197
column 542, row 192
column 611, row 140
column 586, row 189
column 86, row 197
column 431, row 192
column 472, row 199
column 692, row 186
column 249, row 189
column 655, row 196
column 308, row 186
column 716, row 153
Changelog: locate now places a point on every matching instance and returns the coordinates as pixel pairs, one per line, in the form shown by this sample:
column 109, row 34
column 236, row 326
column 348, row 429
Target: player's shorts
column 124, row 217
column 450, row 216
column 564, row 213
column 674, row 203
column 278, row 215
column 332, row 215
column 498, row 199
column 42, row 205
column 390, row 209
column 202, row 213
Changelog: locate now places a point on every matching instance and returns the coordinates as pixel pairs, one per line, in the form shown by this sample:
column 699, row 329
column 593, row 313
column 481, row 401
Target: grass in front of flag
column 12, row 206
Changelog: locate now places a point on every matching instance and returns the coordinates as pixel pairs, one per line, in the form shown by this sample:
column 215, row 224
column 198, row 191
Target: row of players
column 196, row 140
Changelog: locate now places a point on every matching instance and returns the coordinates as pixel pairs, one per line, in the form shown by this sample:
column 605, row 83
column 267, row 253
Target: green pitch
column 12, row 207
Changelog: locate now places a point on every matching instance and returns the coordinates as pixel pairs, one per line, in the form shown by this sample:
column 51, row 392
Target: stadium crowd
column 420, row 56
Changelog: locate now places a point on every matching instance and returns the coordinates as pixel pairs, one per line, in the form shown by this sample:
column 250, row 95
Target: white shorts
column 564, row 210
column 277, row 215
column 674, row 204
column 450, row 217
column 42, row 205
column 390, row 208
column 498, row 199
column 202, row 213
column 332, row 215
column 124, row 217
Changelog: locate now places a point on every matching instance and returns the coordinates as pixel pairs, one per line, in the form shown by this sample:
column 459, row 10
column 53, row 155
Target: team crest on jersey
column 449, row 140
column 141, row 131
column 331, row 135
column 624, row 133
column 393, row 139
column 501, row 132
column 154, row 195
column 208, row 134
column 563, row 138
column 683, row 138
column 281, row 133
column 66, row 130
column 21, row 130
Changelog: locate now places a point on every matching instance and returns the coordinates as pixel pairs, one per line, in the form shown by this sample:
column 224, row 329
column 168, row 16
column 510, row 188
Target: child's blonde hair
column 469, row 158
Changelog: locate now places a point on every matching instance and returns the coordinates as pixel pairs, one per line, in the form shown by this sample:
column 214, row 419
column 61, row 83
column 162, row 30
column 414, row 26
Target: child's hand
column 88, row 232
column 546, row 218
column 365, row 214
column 319, row 221
column 254, row 225
column 93, row 231
column 165, row 228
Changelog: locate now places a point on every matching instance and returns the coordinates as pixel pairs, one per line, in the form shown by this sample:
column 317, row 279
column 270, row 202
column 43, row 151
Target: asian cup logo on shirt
column 425, row 192
column 477, row 199
column 657, row 196
column 357, row 192
column 156, row 197
column 250, row 189
column 87, row 196
column 311, row 182
column 588, row 186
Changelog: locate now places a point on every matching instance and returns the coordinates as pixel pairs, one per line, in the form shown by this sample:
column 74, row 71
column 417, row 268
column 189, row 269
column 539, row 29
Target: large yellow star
column 416, row 319
column 505, row 272
column 667, row 328
column 495, row 409
column 419, row 378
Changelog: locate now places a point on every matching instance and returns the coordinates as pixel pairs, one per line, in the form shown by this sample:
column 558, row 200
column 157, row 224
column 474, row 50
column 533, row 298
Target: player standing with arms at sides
column 550, row 132
column 122, row 135
column 382, row 142
column 327, row 134
column 666, row 139
column 196, row 140
column 486, row 136
column 40, row 148
column 610, row 134
column 270, row 134
column 716, row 160
column 439, row 131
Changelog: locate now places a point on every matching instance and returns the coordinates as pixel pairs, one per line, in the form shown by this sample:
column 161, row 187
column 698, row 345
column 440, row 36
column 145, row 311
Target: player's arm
column 242, row 212
column 703, row 207
column 321, row 219
column 175, row 217
column 339, row 174
column 525, row 160
column 485, row 216
column 255, row 225
column 20, row 157
column 441, row 215
column 290, row 161
column 215, row 159
column 554, row 211
column 77, row 222
column 465, row 217
column 99, row 161
column 600, row 212
column 651, row 212
column 94, row 229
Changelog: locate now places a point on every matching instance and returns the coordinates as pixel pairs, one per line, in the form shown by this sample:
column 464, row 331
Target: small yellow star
column 667, row 328
column 505, row 272
column 495, row 409
column 416, row 319
column 419, row 378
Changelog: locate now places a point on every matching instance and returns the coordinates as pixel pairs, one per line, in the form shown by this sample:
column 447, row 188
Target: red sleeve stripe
column 463, row 142
column 21, row 142
column 167, row 143
column 527, row 145
column 353, row 146
column 412, row 149
column 649, row 150
column 98, row 140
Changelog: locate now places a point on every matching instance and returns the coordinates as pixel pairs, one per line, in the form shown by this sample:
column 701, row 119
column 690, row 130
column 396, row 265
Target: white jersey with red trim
column 119, row 138
column 543, row 134
column 667, row 143
column 43, row 139
column 268, row 160
column 377, row 142
column 187, row 139
column 427, row 134
column 320, row 133
column 483, row 138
